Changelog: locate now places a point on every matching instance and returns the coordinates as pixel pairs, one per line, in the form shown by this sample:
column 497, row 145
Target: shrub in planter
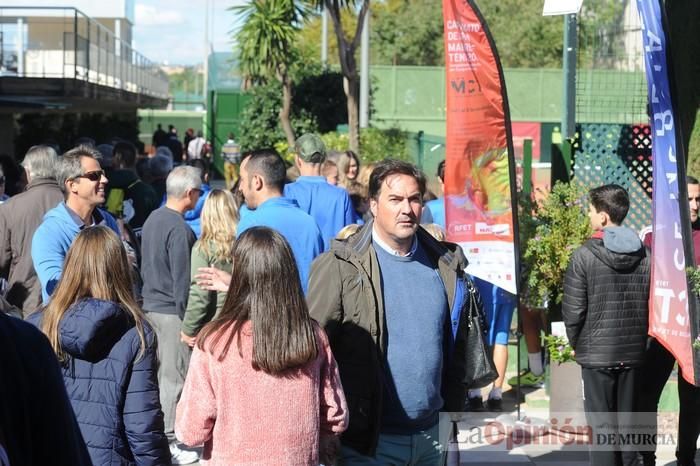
column 562, row 226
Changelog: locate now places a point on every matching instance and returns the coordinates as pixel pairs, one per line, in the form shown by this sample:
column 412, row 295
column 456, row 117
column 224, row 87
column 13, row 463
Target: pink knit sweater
column 248, row 417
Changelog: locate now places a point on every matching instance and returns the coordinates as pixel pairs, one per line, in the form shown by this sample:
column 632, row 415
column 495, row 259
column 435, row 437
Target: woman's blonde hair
column 219, row 220
column 347, row 231
column 364, row 173
column 435, row 231
column 96, row 266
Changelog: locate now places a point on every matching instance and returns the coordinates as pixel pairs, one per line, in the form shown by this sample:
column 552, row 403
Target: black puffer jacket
column 606, row 294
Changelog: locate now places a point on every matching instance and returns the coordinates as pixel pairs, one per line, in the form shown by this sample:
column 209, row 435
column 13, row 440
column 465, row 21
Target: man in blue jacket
column 329, row 205
column 83, row 183
column 261, row 182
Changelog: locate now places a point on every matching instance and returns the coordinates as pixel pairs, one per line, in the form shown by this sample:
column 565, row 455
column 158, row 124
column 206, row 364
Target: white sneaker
column 179, row 456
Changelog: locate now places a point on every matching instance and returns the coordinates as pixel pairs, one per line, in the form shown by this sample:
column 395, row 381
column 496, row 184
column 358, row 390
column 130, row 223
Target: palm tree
column 266, row 48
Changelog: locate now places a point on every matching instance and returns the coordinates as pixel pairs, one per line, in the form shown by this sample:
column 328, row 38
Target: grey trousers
column 174, row 359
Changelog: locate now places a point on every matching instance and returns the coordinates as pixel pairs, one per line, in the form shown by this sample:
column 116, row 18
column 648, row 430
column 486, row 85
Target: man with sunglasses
column 83, row 183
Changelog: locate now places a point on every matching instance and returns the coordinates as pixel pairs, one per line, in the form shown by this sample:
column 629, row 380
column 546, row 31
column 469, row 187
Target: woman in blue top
column 108, row 353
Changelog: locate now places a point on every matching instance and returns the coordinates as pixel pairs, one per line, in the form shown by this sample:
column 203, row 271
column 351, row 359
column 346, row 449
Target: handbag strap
column 472, row 301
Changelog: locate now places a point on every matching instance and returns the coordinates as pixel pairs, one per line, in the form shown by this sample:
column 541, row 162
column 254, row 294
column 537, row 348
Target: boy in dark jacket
column 605, row 308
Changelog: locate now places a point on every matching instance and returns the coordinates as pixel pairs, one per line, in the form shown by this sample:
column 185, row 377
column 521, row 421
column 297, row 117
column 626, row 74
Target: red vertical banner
column 480, row 167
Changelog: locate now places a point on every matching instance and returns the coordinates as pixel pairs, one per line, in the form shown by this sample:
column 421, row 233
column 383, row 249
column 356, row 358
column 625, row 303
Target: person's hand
column 189, row 341
column 329, row 449
column 212, row 279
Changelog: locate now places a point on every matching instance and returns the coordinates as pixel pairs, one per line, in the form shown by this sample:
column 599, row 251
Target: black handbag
column 480, row 369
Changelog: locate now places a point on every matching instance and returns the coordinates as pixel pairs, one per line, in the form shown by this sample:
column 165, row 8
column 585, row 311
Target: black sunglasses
column 92, row 176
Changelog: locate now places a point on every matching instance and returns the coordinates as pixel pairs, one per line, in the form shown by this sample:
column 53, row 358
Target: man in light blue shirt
column 261, row 182
column 329, row 205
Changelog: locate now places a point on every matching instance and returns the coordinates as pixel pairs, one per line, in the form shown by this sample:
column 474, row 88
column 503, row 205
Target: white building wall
column 123, row 9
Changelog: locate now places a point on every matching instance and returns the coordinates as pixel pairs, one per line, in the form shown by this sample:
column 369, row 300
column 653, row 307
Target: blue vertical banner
column 671, row 306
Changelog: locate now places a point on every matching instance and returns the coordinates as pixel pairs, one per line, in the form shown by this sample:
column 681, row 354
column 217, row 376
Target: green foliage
column 407, row 32
column 322, row 96
column 559, row 349
column 309, row 38
column 410, row 32
column 527, row 229
column 377, row 144
column 266, row 37
column 318, row 105
column 693, row 274
column 260, row 126
column 562, row 227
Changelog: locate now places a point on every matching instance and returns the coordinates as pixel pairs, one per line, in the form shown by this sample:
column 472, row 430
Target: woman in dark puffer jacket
column 108, row 353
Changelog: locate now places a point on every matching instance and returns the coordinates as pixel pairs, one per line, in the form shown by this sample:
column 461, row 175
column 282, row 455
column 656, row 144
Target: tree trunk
column 286, row 110
column 348, row 66
column 353, row 99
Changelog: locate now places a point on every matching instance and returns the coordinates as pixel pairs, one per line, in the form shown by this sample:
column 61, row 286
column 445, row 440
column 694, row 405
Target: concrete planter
column 566, row 392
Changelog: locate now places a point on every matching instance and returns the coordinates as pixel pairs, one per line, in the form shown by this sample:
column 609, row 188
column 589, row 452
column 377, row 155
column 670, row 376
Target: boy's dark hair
column 441, row 171
column 691, row 180
column 389, row 167
column 611, row 199
column 269, row 165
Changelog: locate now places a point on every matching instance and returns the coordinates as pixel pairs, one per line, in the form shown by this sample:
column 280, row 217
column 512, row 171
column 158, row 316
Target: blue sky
column 172, row 31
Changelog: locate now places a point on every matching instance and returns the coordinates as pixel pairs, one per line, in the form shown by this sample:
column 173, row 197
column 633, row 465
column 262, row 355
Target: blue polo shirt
column 329, row 205
column 434, row 212
column 297, row 227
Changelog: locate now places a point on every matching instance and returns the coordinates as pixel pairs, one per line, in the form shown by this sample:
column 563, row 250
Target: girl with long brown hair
column 108, row 352
column 263, row 386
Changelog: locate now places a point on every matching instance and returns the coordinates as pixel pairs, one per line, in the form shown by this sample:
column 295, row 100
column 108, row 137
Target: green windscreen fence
column 413, row 98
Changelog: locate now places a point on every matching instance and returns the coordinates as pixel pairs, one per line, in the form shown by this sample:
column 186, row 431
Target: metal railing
column 62, row 42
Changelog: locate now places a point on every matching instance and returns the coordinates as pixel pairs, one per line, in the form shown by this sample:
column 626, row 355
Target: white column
column 20, row 46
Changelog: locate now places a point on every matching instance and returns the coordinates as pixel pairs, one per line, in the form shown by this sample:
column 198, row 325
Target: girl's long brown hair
column 96, row 266
column 265, row 290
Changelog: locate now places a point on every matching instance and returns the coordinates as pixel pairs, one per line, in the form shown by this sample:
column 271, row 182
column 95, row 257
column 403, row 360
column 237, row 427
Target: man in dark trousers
column 166, row 244
column 659, row 364
column 605, row 309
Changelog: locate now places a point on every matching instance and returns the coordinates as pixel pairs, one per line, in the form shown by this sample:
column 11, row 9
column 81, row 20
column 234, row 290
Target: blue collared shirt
column 329, row 205
column 297, row 227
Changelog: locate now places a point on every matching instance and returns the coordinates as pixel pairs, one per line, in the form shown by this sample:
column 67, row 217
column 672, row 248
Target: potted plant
column 561, row 225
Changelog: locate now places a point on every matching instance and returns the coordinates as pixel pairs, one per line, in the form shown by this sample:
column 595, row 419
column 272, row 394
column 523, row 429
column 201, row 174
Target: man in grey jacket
column 390, row 298
column 20, row 216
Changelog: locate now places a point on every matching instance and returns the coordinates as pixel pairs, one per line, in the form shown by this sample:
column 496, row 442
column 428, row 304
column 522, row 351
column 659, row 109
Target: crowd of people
column 307, row 314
